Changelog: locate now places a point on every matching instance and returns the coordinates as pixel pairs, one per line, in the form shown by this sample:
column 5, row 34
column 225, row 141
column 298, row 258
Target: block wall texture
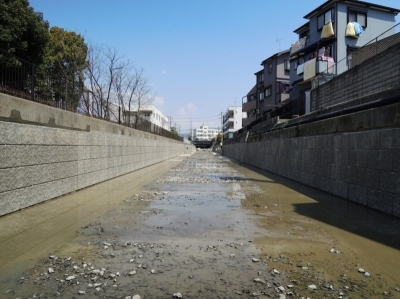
column 363, row 167
column 378, row 75
column 39, row 163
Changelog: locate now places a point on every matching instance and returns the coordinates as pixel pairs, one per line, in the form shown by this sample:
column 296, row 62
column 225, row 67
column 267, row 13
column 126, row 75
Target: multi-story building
column 232, row 120
column 149, row 113
column 271, row 89
column 334, row 30
column 204, row 133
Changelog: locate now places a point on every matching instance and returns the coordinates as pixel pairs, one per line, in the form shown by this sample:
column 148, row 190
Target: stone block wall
column 375, row 78
column 38, row 163
column 363, row 167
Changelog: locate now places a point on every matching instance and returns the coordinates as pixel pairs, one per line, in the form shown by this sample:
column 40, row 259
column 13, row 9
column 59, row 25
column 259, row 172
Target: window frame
column 323, row 15
column 269, row 88
column 357, row 11
column 261, row 95
column 270, row 68
column 286, row 65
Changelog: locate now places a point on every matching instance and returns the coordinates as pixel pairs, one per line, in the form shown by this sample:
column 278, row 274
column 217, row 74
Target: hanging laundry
column 358, row 28
column 350, row 31
column 327, row 30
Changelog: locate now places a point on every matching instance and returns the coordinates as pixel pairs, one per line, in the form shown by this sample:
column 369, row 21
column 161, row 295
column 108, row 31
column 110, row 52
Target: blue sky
column 200, row 55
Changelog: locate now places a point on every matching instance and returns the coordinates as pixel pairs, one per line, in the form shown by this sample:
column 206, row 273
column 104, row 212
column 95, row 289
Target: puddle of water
column 208, row 229
column 193, row 234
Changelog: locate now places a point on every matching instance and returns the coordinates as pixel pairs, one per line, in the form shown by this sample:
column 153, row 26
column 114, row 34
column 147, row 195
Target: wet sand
column 203, row 227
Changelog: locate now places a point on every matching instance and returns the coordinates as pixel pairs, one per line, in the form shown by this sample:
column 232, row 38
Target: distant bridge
column 202, row 143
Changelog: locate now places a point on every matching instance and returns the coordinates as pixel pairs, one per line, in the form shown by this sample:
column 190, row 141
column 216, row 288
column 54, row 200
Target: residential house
column 232, row 120
column 271, row 89
column 334, row 30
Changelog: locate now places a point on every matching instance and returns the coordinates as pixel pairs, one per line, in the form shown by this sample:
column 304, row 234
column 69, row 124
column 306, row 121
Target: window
column 270, row 68
column 261, row 95
column 261, row 77
column 325, row 18
column 357, row 16
column 286, row 65
column 281, row 87
column 268, row 91
column 303, row 34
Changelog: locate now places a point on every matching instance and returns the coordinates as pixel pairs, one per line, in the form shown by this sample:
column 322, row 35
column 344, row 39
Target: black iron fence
column 25, row 80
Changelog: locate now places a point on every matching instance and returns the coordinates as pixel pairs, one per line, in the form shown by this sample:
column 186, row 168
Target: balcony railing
column 301, row 43
column 249, row 106
column 248, row 120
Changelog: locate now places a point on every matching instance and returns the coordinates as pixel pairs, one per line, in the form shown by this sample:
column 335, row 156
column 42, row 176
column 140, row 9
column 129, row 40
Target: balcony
column 248, row 120
column 301, row 43
column 249, row 106
column 228, row 121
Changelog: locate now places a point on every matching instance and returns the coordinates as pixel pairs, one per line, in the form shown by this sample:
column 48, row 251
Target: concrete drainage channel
column 205, row 229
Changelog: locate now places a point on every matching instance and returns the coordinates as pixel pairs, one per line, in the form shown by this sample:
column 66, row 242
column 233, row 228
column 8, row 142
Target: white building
column 205, row 133
column 232, row 120
column 151, row 114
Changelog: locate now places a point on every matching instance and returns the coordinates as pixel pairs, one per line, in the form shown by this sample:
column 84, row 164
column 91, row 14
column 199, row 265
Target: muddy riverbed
column 209, row 228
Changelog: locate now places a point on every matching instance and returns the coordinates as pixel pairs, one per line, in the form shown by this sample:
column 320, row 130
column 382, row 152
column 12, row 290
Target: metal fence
column 23, row 79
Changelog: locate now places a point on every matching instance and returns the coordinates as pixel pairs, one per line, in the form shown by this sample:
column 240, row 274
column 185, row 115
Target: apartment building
column 232, row 120
column 333, row 31
column 204, row 133
column 149, row 113
column 271, row 89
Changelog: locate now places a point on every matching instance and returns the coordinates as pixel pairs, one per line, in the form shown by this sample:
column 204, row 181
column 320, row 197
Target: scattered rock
column 259, row 280
column 70, row 278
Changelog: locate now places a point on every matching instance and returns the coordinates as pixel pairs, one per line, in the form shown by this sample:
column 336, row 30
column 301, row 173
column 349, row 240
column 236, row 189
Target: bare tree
column 142, row 96
column 94, row 77
column 113, row 86
column 105, row 65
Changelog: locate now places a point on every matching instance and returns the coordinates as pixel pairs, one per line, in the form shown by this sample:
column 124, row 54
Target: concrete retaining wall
column 38, row 162
column 363, row 166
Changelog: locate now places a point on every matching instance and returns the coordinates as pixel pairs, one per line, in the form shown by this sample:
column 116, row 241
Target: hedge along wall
column 38, row 163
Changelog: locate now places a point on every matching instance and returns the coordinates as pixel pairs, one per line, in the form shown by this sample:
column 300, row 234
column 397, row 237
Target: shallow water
column 202, row 226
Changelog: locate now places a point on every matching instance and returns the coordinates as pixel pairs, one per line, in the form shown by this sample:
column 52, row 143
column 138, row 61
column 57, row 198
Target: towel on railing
column 327, row 30
column 309, row 69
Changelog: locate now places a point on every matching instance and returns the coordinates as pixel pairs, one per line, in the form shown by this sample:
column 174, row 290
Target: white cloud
column 158, row 101
column 186, row 111
column 163, row 72
column 191, row 107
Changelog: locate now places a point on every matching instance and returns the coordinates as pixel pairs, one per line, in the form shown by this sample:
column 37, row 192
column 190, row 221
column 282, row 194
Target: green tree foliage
column 23, row 32
column 66, row 60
